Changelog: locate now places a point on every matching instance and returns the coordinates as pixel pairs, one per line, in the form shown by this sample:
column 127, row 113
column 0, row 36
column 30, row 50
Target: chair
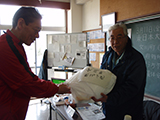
column 43, row 73
column 151, row 110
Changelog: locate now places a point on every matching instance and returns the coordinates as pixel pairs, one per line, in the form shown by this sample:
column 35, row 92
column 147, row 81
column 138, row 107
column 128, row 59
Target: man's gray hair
column 119, row 25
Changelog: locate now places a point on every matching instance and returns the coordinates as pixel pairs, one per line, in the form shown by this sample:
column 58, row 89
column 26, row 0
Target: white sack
column 91, row 82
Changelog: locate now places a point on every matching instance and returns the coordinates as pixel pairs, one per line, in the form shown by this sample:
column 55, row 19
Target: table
column 61, row 111
column 84, row 110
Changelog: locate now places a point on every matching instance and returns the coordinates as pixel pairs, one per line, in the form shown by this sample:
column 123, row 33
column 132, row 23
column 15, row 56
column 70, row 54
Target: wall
column 127, row 9
column 76, row 17
column 90, row 15
column 84, row 17
column 92, row 10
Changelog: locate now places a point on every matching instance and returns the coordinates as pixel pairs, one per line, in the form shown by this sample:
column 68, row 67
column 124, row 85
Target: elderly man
column 128, row 65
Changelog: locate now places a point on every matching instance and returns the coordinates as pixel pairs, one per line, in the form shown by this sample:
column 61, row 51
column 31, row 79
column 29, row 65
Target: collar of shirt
column 14, row 37
column 115, row 61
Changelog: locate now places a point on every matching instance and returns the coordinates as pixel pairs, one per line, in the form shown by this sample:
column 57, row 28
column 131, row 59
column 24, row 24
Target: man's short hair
column 119, row 25
column 29, row 14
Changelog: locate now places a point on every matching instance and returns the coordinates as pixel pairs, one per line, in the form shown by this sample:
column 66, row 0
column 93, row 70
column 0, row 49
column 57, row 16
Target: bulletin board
column 96, row 46
column 68, row 50
column 96, row 56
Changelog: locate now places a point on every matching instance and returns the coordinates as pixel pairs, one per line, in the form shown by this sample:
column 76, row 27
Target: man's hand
column 102, row 99
column 63, row 88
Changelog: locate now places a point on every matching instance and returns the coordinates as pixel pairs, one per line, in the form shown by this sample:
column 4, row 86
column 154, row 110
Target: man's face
column 118, row 40
column 30, row 32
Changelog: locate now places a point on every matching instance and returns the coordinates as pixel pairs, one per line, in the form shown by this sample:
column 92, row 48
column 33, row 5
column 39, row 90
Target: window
column 6, row 14
column 53, row 22
column 52, row 17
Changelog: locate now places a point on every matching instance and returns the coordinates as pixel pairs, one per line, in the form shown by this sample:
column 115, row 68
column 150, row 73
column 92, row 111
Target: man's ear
column 126, row 39
column 21, row 23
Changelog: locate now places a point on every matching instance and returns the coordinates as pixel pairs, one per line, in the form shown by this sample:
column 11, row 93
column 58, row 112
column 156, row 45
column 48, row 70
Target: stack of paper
column 92, row 112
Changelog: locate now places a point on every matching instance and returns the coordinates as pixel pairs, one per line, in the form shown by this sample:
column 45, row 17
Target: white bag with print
column 91, row 82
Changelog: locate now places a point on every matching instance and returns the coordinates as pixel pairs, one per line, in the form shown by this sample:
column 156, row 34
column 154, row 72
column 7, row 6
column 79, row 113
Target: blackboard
column 71, row 45
column 145, row 37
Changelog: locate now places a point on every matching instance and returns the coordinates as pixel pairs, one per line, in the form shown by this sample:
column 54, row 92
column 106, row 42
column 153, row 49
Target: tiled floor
column 40, row 111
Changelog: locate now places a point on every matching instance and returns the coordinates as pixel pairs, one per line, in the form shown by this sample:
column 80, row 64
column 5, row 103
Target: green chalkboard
column 145, row 37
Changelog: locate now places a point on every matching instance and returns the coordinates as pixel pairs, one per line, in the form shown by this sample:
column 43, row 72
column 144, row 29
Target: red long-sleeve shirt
column 17, row 81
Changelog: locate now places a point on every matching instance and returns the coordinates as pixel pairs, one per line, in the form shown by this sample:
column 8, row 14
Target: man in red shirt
column 17, row 82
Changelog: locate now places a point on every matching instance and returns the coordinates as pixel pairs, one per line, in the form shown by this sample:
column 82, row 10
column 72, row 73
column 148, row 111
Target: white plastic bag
column 91, row 82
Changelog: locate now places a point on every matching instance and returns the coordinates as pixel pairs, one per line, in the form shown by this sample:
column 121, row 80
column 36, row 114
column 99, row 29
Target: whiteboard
column 63, row 48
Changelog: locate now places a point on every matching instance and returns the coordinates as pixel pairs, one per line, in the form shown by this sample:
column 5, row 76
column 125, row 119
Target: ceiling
column 81, row 1
column 39, row 3
column 62, row 4
column 77, row 1
column 59, row 0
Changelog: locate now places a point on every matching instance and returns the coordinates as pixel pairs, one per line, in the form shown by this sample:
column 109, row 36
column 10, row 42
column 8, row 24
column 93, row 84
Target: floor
column 40, row 111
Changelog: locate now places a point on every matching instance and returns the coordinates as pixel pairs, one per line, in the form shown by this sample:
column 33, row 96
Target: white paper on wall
column 80, row 54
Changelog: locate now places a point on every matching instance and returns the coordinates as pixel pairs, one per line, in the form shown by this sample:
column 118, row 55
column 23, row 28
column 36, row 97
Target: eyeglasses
column 118, row 38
